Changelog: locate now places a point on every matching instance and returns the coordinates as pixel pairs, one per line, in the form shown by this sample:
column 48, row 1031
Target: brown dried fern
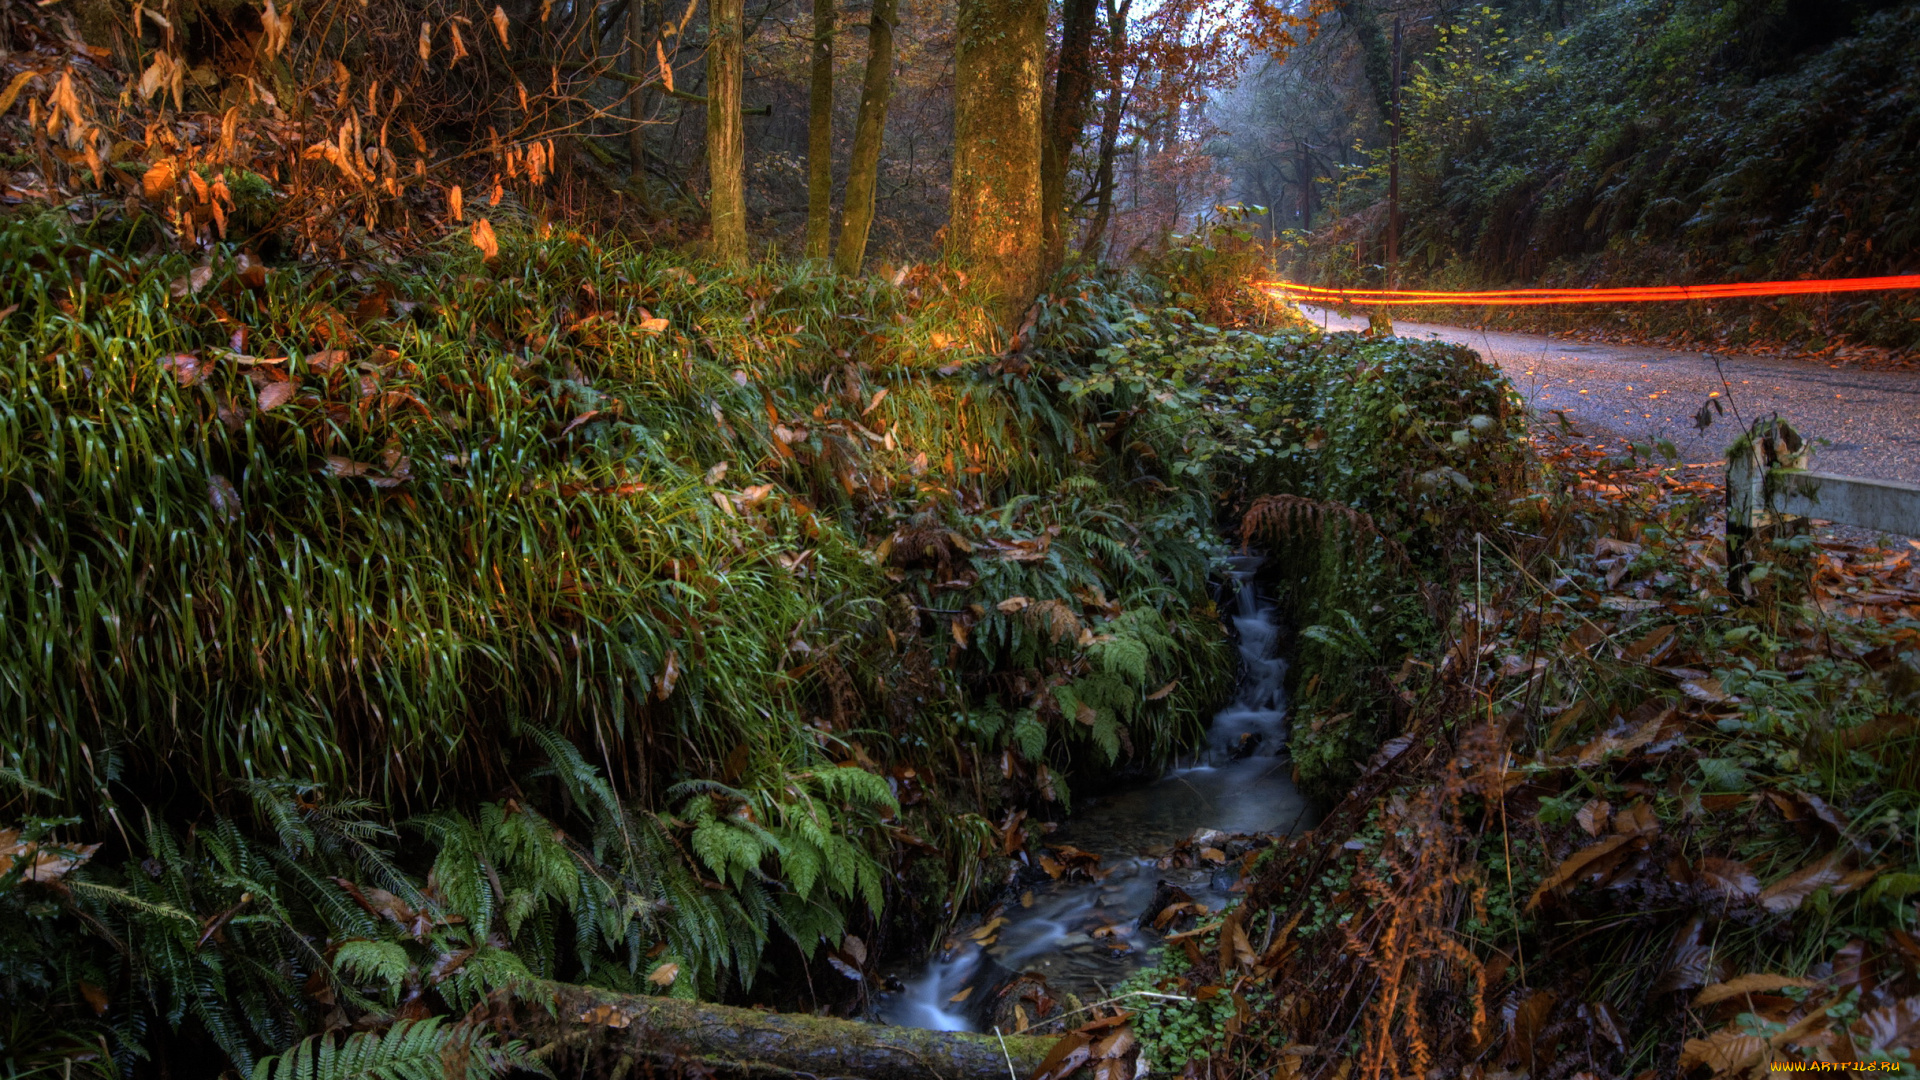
column 1279, row 517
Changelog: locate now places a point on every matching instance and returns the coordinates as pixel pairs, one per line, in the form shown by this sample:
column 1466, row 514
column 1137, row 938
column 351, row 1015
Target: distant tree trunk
column 1306, row 187
column 994, row 229
column 1072, row 88
column 820, row 135
column 639, row 59
column 1109, row 128
column 1375, row 54
column 726, row 137
column 863, row 171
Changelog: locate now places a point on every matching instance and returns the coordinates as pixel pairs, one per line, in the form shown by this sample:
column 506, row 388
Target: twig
column 1011, row 1074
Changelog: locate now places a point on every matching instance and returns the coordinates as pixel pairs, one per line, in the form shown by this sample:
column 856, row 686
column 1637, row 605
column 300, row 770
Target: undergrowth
column 1632, row 825
column 393, row 634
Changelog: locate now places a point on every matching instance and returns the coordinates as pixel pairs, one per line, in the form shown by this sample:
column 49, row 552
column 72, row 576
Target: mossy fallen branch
column 599, row 1024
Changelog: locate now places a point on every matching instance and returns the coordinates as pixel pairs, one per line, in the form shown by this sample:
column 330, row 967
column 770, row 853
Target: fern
column 385, row 961
column 422, row 1050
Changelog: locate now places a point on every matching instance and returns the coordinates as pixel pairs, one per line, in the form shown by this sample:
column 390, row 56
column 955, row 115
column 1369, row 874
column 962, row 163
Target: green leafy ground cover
column 403, row 632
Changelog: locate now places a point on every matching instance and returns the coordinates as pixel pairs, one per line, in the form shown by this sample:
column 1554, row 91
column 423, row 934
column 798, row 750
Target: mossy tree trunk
column 1375, row 54
column 598, row 1029
column 1072, row 88
column 726, row 135
column 820, row 135
column 863, row 171
column 995, row 227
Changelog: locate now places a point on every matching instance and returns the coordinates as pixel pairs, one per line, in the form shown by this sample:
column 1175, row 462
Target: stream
column 1082, row 930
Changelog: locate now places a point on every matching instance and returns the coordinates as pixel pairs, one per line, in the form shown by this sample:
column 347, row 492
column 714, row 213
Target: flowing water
column 1084, row 936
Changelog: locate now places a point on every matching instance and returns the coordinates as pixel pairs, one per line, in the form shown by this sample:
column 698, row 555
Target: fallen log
column 609, row 1033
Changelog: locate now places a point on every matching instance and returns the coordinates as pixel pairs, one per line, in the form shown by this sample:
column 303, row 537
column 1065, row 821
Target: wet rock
column 1165, row 895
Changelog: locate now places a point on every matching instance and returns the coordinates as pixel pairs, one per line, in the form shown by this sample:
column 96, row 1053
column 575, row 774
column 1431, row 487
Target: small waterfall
column 927, row 1001
column 1255, row 723
column 1084, row 937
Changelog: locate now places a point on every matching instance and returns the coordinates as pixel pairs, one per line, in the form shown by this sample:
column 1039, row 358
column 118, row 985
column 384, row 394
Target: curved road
column 1871, row 419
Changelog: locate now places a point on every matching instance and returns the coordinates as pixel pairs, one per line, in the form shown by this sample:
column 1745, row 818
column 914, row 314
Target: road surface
column 1870, row 418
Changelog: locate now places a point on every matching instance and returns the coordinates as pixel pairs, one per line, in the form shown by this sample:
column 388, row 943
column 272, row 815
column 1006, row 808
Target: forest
column 754, row 538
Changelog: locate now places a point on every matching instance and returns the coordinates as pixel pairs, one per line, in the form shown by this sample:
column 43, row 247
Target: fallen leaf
column 327, row 359
column 223, row 498
column 1731, row 1049
column 1593, row 816
column 1729, row 877
column 448, row 963
column 1163, row 691
column 669, row 674
column 1647, row 645
column 1012, row 604
column 275, row 394
column 962, row 995
column 96, row 997
column 1892, row 1027
column 1789, row 892
column 989, row 929
column 1707, row 690
column 188, row 369
column 195, row 280
column 1747, row 984
column 664, row 974
column 500, row 25
column 1636, row 820
column 1065, row 1056
column 1573, row 865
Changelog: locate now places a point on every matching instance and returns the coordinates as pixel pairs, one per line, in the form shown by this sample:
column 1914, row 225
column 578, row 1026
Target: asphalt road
column 1870, row 418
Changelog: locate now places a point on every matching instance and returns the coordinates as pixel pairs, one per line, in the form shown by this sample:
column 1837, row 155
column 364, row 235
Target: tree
column 820, row 134
column 1110, row 116
column 1073, row 88
column 863, row 170
column 641, row 20
column 1376, row 55
column 994, row 228
column 726, row 135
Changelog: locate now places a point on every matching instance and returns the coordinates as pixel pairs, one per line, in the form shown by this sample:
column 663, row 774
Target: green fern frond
column 422, row 1050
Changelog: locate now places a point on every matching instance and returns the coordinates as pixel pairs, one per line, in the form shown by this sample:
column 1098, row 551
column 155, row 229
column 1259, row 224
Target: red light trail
column 1533, row 297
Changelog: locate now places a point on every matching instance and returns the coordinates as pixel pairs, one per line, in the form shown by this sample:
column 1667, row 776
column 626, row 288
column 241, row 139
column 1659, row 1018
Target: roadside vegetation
column 1636, row 143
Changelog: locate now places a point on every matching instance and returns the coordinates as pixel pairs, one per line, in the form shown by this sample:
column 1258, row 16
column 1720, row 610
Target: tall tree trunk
column 820, row 135
column 863, row 171
column 640, row 30
column 726, row 137
column 1375, row 54
column 1072, row 88
column 994, row 229
column 1109, row 128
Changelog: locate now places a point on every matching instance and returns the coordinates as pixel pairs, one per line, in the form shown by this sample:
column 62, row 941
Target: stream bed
column 1079, row 927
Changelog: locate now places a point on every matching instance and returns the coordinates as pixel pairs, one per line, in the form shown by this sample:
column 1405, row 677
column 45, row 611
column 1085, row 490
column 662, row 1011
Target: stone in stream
column 1165, row 895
